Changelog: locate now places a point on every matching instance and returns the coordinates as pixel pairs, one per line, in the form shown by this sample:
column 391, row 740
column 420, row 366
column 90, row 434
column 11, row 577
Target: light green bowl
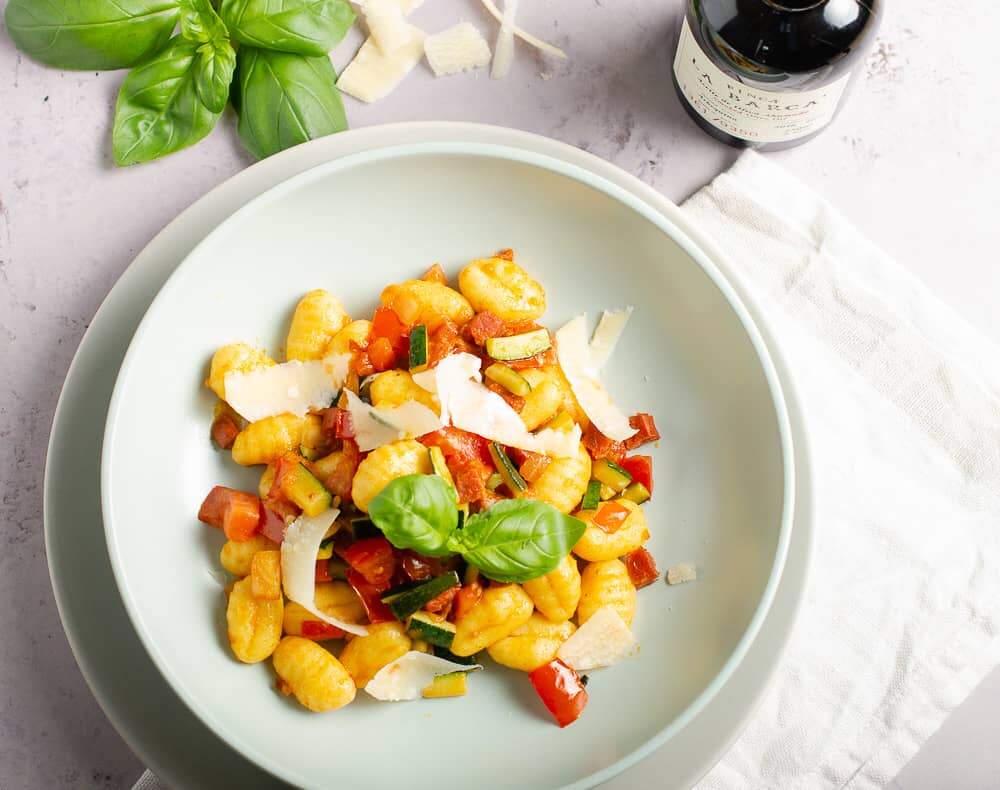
column 691, row 355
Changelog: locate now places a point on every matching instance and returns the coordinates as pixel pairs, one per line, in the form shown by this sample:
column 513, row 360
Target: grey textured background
column 912, row 161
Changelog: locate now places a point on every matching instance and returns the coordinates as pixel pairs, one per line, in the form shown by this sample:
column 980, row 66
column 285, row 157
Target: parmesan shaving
column 459, row 48
column 373, row 74
column 609, row 330
column 527, row 38
column 504, row 49
column 298, row 565
column 407, row 676
column 376, row 427
column 293, row 387
column 603, row 640
column 577, row 362
column 387, row 24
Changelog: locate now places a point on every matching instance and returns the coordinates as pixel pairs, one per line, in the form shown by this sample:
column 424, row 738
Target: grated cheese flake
column 387, row 24
column 681, row 572
column 527, row 38
column 373, row 74
column 459, row 48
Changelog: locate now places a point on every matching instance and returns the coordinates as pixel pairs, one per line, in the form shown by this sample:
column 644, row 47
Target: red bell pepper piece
column 483, row 326
column 610, row 516
column 561, row 690
column 641, row 469
column 377, row 611
column 337, row 423
column 386, row 324
column 458, row 444
column 467, row 597
column 323, row 571
column 317, row 629
column 442, row 603
column 646, row 430
column 381, row 354
column 600, row 446
column 533, row 465
column 641, row 567
column 446, row 339
column 272, row 525
column 374, row 559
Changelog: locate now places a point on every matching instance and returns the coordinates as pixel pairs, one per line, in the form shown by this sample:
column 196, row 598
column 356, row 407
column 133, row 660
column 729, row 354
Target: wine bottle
column 770, row 74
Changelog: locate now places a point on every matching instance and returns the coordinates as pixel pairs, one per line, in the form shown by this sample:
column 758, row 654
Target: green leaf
column 517, row 540
column 159, row 108
column 285, row 100
column 417, row 512
column 306, row 27
column 216, row 56
column 200, row 23
column 91, row 34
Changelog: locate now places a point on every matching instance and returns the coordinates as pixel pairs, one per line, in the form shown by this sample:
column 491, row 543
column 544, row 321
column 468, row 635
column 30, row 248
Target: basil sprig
column 515, row 540
column 180, row 85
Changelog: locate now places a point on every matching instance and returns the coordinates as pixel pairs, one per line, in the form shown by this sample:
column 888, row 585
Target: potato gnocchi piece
column 544, row 400
column 253, row 625
column 532, row 645
column 435, row 302
column 265, row 575
column 236, row 357
column 557, row 593
column 267, row 440
column 383, row 465
column 316, row 678
column 364, row 656
column 597, row 545
column 318, row 317
column 563, row 483
column 336, row 599
column 236, row 555
column 396, row 387
column 502, row 287
column 569, row 401
column 606, row 583
column 356, row 332
column 266, row 480
column 502, row 610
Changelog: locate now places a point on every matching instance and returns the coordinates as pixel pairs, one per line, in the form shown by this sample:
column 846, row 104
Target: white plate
column 691, row 356
column 70, row 497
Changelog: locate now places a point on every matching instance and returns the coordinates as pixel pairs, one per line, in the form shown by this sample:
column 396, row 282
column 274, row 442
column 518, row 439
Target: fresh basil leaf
column 417, row 512
column 91, row 34
column 159, row 109
column 200, row 22
column 216, row 56
column 285, row 100
column 305, row 27
column 517, row 540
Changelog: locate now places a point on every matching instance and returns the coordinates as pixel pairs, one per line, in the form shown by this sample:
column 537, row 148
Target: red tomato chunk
column 377, row 611
column 561, row 690
column 641, row 469
column 317, row 629
column 374, row 559
column 641, row 568
column 237, row 513
column 611, row 516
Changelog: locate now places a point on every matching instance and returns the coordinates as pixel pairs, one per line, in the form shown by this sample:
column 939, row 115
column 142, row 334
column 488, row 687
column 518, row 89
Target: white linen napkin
column 902, row 406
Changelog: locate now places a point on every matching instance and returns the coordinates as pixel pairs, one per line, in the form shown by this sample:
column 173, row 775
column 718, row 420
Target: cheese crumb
column 457, row 49
column 681, row 572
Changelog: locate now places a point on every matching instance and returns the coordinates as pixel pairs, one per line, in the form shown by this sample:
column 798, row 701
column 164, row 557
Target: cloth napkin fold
column 902, row 406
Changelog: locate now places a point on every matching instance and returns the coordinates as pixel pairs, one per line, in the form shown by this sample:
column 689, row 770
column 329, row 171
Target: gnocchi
column 597, row 544
column 557, row 593
column 544, row 400
column 429, row 303
column 336, row 599
column 396, row 387
column 355, row 332
column 236, row 555
column 316, row 678
column 383, row 465
column 253, row 624
column 317, row 319
column 502, row 287
column 606, row 583
column 236, row 358
column 364, row 656
column 563, row 483
column 500, row 612
column 531, row 645
column 266, row 440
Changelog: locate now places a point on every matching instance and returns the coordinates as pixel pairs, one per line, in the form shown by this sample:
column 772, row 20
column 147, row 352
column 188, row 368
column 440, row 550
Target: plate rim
column 488, row 150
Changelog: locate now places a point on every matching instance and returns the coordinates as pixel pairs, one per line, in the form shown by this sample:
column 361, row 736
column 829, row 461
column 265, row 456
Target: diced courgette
column 511, row 477
column 446, row 654
column 522, row 346
column 612, row 475
column 325, row 550
column 494, row 481
column 309, row 453
column 302, row 487
column 418, row 348
column 607, row 492
column 593, row 496
column 404, row 603
column 563, row 421
column 431, row 628
column 453, row 684
column 439, row 465
column 637, row 492
column 508, row 378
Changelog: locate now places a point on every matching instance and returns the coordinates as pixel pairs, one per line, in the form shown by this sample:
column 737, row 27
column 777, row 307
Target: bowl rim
column 520, row 156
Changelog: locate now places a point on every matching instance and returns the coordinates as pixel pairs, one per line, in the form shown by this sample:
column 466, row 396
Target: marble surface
column 911, row 160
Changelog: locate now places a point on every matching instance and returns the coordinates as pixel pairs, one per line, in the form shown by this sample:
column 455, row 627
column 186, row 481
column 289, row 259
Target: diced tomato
column 483, row 326
column 641, row 469
column 610, row 516
column 224, row 431
column 418, row 567
column 641, row 567
column 446, row 339
column 442, row 603
column 646, row 428
column 360, row 363
column 280, row 504
column 435, row 274
column 323, row 571
column 236, row 513
column 561, row 690
column 467, row 597
column 516, row 402
column 386, row 324
column 459, row 444
column 533, row 465
column 470, row 479
column 507, row 254
column 377, row 611
column 338, row 478
column 317, row 629
column 373, row 558
column 272, row 525
column 600, row 446
column 337, row 423
column 381, row 354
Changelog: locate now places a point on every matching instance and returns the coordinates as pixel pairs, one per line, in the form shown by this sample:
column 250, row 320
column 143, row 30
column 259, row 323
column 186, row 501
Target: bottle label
column 750, row 113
